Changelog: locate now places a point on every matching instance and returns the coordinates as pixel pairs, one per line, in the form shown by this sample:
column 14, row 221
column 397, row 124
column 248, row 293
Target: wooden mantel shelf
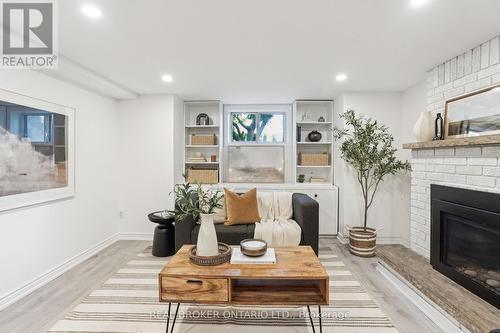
column 460, row 142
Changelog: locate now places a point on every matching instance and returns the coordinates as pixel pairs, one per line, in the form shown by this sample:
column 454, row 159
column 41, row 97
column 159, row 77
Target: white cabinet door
column 328, row 205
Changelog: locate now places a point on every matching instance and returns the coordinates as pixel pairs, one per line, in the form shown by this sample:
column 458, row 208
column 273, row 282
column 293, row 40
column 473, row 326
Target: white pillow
column 220, row 213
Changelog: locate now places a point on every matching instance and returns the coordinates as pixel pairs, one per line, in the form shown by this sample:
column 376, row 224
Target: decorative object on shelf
column 202, row 175
column 367, row 146
column 473, row 114
column 424, row 127
column 438, row 128
column 203, row 140
column 200, row 203
column 223, row 255
column 306, row 117
column 200, row 159
column 314, row 159
column 299, row 133
column 213, row 158
column 314, row 136
column 253, row 247
column 302, row 178
column 321, row 119
column 317, row 180
column 202, row 119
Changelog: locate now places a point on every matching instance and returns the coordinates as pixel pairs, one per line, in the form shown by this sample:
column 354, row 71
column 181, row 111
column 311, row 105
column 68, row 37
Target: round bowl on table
column 253, row 247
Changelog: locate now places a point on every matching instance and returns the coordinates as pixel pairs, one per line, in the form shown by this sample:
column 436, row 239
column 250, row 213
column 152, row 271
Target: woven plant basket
column 362, row 242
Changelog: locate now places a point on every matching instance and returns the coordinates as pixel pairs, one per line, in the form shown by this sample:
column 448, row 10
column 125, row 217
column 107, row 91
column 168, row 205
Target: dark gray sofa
column 305, row 213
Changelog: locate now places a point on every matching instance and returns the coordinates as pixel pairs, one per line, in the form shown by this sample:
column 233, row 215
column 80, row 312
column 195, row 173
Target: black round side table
column 164, row 236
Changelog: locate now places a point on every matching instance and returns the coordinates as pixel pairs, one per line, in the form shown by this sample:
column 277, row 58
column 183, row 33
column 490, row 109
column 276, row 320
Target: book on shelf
column 318, row 180
column 239, row 258
column 197, row 159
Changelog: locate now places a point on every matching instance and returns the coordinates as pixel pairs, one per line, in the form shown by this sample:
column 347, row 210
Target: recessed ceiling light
column 167, row 78
column 341, row 77
column 91, row 11
column 416, row 3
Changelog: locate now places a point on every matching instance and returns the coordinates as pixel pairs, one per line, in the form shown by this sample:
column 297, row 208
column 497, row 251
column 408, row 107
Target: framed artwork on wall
column 474, row 114
column 36, row 151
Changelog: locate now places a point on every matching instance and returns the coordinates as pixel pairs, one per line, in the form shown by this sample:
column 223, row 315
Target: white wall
column 146, row 161
column 36, row 240
column 390, row 209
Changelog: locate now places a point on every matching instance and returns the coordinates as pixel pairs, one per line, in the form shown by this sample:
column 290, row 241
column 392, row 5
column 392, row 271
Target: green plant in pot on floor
column 199, row 203
column 367, row 147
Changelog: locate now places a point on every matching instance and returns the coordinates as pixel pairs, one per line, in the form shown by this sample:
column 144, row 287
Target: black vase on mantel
column 438, row 128
column 314, row 136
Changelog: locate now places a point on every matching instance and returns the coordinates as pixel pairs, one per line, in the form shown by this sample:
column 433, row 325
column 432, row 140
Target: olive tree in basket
column 366, row 145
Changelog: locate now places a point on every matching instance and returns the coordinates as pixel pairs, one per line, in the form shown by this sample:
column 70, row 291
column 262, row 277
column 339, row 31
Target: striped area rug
column 128, row 302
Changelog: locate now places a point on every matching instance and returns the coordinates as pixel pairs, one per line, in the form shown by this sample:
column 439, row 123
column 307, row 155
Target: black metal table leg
column 175, row 317
column 319, row 317
column 168, row 317
column 320, row 323
column 311, row 319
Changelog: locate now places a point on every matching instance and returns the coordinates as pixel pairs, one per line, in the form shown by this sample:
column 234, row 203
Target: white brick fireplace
column 475, row 167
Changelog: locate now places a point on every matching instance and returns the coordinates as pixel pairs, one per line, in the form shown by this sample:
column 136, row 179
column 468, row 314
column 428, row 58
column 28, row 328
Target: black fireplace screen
column 472, row 250
column 465, row 239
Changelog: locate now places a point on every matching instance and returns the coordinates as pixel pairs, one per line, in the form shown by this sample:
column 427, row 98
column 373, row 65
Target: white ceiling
column 270, row 50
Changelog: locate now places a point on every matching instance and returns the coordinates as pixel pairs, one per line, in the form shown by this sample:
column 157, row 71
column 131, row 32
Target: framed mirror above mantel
column 473, row 114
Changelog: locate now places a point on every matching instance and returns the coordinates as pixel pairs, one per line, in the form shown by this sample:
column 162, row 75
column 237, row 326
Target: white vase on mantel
column 424, row 127
column 207, row 237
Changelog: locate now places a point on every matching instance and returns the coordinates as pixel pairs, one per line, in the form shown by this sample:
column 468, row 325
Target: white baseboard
column 55, row 272
column 436, row 314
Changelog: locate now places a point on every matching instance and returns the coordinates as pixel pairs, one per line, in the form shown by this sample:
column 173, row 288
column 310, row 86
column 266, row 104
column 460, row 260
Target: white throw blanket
column 276, row 226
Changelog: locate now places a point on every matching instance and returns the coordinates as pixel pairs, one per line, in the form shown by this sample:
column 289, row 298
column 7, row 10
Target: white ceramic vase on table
column 424, row 127
column 207, row 237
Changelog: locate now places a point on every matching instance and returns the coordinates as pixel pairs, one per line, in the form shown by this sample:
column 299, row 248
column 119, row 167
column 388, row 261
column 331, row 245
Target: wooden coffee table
column 298, row 278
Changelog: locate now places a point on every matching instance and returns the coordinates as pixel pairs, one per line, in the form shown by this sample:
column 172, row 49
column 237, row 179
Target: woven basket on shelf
column 314, row 159
column 197, row 139
column 203, row 176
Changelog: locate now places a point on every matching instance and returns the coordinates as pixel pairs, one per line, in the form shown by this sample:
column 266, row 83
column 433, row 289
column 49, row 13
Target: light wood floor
column 40, row 310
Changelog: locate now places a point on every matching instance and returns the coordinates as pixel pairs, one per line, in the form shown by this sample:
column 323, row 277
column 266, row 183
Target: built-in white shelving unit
column 313, row 115
column 200, row 156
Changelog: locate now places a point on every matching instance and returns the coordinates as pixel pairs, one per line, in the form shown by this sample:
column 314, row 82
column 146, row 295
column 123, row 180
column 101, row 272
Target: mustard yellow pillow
column 241, row 209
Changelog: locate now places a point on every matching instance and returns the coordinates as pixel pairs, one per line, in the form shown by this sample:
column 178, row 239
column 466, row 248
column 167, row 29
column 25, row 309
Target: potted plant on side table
column 367, row 147
column 200, row 203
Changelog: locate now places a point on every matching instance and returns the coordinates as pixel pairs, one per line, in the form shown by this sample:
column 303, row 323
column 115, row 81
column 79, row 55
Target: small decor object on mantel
column 202, row 119
column 302, row 178
column 203, row 207
column 424, row 127
column 367, row 147
column 438, row 128
column 314, row 136
column 321, row 120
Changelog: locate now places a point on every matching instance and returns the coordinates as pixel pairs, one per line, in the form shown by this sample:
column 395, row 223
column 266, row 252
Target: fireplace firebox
column 465, row 239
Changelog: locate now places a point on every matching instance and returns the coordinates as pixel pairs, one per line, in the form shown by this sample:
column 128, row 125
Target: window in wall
column 256, row 151
column 257, row 127
column 37, row 128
